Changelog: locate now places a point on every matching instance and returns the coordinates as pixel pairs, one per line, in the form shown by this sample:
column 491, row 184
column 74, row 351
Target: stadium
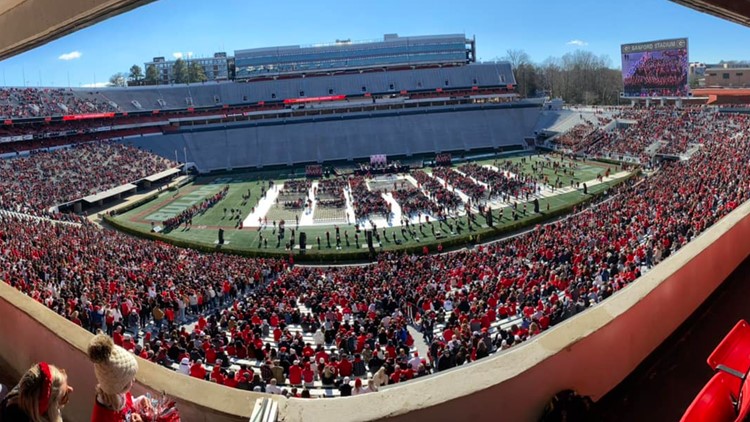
column 385, row 230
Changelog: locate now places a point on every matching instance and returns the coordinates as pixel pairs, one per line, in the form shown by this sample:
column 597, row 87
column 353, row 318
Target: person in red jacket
column 230, row 380
column 216, row 374
column 295, row 374
column 308, row 375
column 128, row 343
column 117, row 336
column 197, row 370
column 345, row 367
column 211, row 355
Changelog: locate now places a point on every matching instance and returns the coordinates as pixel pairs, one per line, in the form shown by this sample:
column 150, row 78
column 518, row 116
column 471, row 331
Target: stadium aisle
column 422, row 347
column 664, row 385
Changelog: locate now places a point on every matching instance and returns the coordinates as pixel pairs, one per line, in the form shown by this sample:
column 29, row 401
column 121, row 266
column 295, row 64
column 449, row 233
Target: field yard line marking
column 138, row 218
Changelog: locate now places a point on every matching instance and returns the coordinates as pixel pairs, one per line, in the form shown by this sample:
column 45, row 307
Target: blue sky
column 542, row 28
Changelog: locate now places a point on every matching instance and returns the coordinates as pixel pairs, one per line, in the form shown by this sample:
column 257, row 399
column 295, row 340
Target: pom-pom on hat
column 115, row 367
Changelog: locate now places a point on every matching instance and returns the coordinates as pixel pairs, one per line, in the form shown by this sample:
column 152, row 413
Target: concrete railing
column 591, row 352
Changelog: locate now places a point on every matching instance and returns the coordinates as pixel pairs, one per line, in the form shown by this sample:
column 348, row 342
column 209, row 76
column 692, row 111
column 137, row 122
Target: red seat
column 743, row 407
column 733, row 352
column 714, row 402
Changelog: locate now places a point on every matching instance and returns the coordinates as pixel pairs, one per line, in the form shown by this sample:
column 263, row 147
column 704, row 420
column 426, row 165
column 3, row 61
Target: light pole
column 189, row 54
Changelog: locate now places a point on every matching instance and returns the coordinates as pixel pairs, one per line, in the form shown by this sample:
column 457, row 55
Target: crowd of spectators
column 44, row 102
column 357, row 315
column 575, row 135
column 664, row 73
column 34, row 183
column 584, row 135
column 674, row 128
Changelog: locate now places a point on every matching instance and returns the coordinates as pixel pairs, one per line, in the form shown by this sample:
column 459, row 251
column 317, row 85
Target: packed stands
column 470, row 303
column 42, row 102
column 35, row 183
column 666, row 131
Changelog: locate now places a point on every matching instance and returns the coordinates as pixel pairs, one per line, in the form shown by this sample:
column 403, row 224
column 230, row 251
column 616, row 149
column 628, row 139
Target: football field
column 246, row 190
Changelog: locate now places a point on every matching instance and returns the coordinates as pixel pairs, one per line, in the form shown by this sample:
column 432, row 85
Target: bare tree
column 577, row 77
column 524, row 70
column 118, row 79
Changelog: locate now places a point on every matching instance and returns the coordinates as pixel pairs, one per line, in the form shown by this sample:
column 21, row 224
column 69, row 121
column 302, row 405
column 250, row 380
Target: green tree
column 693, row 81
column 152, row 75
column 118, row 79
column 180, row 72
column 136, row 73
column 196, row 73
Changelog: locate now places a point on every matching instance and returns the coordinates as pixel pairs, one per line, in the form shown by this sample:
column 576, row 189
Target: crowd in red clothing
column 498, row 183
column 100, row 278
column 34, row 183
column 675, row 129
column 447, row 199
column 473, row 190
column 666, row 73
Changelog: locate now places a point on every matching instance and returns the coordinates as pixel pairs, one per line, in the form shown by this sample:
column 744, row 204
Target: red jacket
column 295, row 375
column 198, row 371
column 345, row 368
column 102, row 414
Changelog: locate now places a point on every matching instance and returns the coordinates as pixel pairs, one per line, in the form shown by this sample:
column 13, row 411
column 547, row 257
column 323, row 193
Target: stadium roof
column 26, row 24
column 92, row 199
column 166, row 173
column 737, row 11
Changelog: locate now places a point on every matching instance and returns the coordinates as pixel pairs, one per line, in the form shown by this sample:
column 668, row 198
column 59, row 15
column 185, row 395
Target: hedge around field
column 467, row 238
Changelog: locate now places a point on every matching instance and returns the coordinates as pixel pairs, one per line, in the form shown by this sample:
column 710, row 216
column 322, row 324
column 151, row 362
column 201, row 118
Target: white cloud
column 70, row 56
column 579, row 43
column 95, row 85
column 177, row 55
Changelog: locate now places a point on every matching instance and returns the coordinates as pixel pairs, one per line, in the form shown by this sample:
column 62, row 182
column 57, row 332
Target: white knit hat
column 115, row 367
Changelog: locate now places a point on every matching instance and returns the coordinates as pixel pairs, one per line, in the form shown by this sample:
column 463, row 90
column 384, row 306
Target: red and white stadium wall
column 591, row 352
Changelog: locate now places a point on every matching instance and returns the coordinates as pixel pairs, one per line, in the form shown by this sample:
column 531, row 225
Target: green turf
column 583, row 172
column 204, row 229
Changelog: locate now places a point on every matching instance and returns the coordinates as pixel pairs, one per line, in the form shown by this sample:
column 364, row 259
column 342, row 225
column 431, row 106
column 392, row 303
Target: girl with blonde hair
column 40, row 396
